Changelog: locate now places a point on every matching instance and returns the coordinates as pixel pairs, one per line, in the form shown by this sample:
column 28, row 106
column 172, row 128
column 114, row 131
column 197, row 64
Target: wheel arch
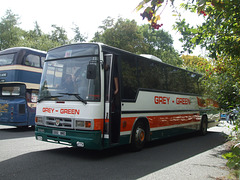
column 147, row 127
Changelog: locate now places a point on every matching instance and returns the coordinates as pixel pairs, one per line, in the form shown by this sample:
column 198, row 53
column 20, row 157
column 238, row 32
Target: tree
column 219, row 34
column 127, row 35
column 78, row 36
column 195, row 63
column 59, row 35
column 160, row 44
column 123, row 34
column 10, row 33
column 37, row 39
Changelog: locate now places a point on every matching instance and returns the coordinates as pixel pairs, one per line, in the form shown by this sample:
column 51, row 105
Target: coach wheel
column 138, row 136
column 204, row 125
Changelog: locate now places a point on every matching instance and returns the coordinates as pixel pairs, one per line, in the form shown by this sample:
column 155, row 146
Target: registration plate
column 56, row 132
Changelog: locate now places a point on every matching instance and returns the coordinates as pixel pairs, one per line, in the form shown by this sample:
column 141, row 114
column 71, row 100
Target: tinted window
column 151, row 74
column 129, row 77
column 175, row 79
column 192, row 82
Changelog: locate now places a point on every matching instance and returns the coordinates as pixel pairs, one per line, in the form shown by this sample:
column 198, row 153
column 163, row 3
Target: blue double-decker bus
column 20, row 74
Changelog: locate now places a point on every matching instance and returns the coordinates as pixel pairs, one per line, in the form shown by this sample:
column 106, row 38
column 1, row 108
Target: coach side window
column 192, row 83
column 32, row 60
column 129, row 77
column 42, row 61
column 176, row 79
column 151, row 75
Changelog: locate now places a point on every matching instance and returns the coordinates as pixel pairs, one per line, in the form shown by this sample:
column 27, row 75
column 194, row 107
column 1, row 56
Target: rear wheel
column 138, row 138
column 204, row 125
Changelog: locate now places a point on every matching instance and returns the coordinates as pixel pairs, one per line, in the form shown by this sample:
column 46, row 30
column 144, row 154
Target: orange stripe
column 98, row 124
column 154, row 121
column 161, row 121
column 169, row 120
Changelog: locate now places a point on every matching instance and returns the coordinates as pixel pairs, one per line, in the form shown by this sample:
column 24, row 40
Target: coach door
column 112, row 100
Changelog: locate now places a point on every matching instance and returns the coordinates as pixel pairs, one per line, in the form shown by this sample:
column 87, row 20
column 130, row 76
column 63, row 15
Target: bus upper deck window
column 32, row 60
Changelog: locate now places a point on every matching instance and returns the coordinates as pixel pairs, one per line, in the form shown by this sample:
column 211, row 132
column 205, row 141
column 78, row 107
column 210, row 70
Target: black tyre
column 204, row 126
column 138, row 138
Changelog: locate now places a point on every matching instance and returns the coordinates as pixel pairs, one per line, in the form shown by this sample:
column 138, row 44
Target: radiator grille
column 59, row 122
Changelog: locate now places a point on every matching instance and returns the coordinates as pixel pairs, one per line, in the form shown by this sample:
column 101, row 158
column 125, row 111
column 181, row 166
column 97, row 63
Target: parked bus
column 96, row 96
column 20, row 74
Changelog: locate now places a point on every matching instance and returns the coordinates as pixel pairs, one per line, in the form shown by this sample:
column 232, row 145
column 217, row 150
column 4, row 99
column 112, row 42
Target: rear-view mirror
column 91, row 71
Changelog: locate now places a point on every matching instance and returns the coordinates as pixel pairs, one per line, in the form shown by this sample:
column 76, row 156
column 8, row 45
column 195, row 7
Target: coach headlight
column 84, row 124
column 39, row 120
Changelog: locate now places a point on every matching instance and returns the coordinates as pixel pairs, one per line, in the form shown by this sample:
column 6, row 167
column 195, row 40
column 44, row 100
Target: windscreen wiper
column 77, row 96
column 47, row 97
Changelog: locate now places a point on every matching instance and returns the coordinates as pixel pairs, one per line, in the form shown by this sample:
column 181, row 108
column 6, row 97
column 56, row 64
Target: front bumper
column 77, row 138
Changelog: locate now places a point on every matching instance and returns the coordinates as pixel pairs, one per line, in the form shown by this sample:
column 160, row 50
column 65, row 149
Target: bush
column 233, row 157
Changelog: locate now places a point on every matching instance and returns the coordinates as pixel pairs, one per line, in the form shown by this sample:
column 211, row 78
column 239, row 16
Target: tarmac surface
column 207, row 165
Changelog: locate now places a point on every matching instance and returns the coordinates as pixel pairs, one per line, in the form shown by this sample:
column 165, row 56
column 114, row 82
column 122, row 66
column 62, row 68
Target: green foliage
column 37, row 39
column 127, row 35
column 160, row 43
column 123, row 34
column 78, row 36
column 222, row 82
column 11, row 35
column 219, row 33
column 59, row 35
column 233, row 156
column 218, row 80
column 196, row 64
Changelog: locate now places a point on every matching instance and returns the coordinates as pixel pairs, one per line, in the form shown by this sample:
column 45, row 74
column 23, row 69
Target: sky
column 87, row 14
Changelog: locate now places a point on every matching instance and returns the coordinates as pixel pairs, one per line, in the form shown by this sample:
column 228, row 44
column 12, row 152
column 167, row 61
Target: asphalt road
column 186, row 157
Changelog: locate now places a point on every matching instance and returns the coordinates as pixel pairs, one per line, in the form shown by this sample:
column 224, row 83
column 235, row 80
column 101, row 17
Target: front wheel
column 138, row 138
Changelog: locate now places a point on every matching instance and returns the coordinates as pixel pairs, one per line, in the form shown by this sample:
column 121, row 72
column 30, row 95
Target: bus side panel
column 161, row 134
column 19, row 73
column 28, row 76
column 167, row 114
